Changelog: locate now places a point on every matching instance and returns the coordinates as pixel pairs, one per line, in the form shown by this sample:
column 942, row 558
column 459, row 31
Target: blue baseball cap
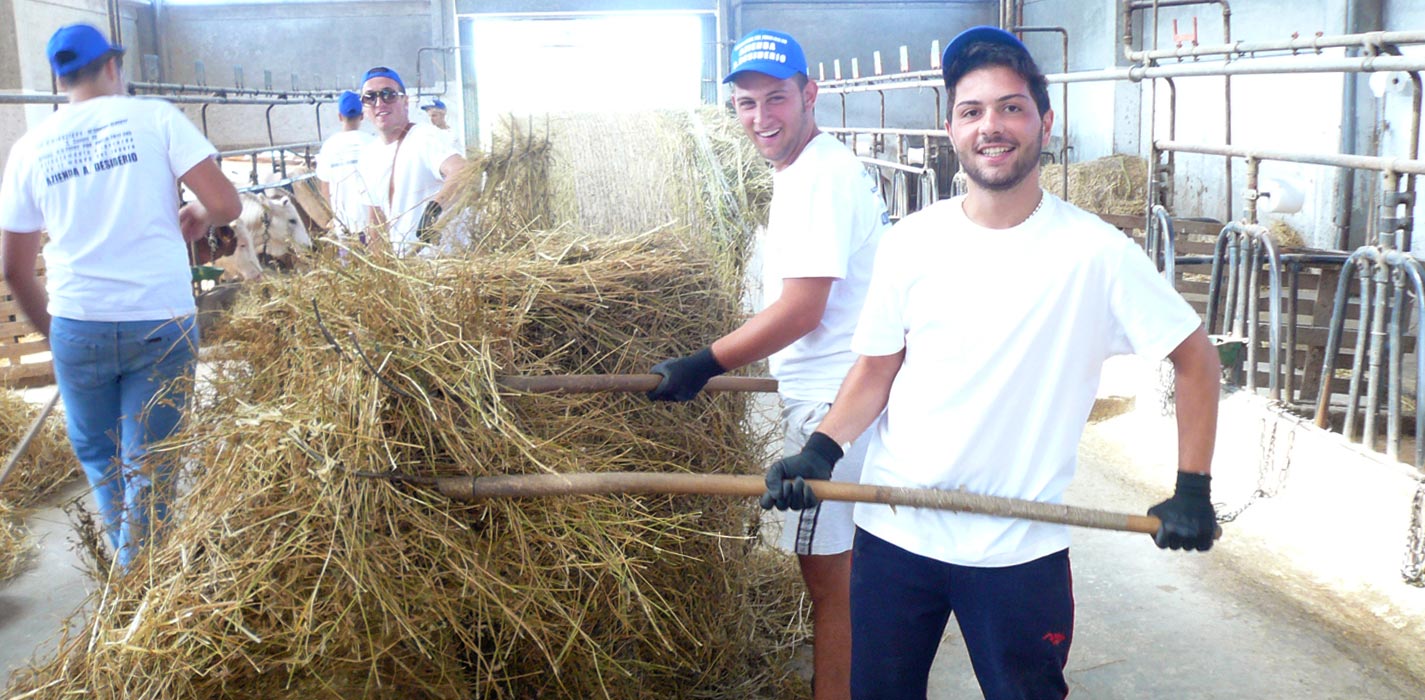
column 974, row 35
column 349, row 105
column 434, row 104
column 769, row 52
column 75, row 46
column 383, row 72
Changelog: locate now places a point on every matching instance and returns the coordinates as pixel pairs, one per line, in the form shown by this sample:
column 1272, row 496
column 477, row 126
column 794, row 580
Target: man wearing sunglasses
column 407, row 171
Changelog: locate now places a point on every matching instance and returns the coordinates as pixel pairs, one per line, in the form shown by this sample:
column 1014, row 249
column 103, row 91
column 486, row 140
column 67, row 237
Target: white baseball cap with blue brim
column 769, row 52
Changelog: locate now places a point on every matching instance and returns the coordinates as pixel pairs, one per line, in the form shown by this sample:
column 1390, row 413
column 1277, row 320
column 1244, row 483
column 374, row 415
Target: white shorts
column 827, row 528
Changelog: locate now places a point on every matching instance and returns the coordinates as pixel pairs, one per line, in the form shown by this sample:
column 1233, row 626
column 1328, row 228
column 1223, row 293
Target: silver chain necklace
column 1037, row 207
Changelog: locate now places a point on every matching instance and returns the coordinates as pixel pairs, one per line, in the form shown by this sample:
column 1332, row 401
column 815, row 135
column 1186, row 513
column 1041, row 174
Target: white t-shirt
column 826, row 219
column 101, row 176
column 1005, row 333
column 336, row 166
column 418, row 179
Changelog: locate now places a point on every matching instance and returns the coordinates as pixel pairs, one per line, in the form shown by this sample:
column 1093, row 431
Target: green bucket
column 206, row 273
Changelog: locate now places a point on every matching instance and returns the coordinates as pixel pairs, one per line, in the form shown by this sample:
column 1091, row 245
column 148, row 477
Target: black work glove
column 684, row 377
column 786, row 478
column 1188, row 520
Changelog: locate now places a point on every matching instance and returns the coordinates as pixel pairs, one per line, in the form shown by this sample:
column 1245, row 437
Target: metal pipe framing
column 266, row 149
column 43, row 99
column 39, row 99
column 1252, row 172
column 1293, row 288
column 226, row 91
column 1412, row 270
column 1160, row 243
column 1296, row 44
column 1282, row 65
column 284, row 182
column 1244, row 246
column 1063, row 100
column 1219, row 249
column 1377, row 163
column 1353, row 393
column 1400, row 265
column 1155, row 5
column 1244, row 277
column 1393, row 385
column 1374, row 355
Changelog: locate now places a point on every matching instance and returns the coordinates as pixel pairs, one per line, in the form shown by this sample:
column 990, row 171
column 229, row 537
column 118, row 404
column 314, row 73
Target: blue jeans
column 124, row 387
column 1017, row 621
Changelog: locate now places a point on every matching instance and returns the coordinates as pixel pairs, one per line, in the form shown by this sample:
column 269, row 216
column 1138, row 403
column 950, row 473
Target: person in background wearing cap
column 826, row 219
column 436, row 111
column 336, row 168
column 977, row 383
column 406, row 169
column 100, row 176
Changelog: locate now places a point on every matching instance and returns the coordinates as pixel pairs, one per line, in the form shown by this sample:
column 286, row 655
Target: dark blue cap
column 75, row 46
column 434, row 104
column 349, row 105
column 383, row 72
column 968, row 38
column 768, row 52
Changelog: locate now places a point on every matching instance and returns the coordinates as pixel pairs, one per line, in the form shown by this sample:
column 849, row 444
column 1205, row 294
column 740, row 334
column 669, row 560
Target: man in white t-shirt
column 826, row 219
column 100, row 176
column 981, row 377
column 336, row 169
column 436, row 111
column 406, row 170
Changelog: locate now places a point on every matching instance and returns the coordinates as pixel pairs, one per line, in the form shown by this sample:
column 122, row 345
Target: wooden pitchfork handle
column 543, row 485
column 624, row 383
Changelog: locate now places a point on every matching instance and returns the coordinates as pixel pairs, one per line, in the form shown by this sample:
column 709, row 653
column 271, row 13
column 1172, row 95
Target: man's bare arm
column 20, row 251
column 1196, row 389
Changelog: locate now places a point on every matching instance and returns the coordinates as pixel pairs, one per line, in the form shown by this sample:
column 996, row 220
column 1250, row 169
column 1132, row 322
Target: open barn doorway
column 585, row 62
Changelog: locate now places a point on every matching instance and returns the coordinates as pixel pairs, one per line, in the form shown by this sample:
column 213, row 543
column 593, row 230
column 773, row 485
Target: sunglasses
column 387, row 96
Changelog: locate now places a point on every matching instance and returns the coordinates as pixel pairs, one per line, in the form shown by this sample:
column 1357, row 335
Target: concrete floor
column 1301, row 599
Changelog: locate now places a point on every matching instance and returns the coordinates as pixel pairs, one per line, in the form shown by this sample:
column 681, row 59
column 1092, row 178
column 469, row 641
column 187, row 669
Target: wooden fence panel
column 24, row 354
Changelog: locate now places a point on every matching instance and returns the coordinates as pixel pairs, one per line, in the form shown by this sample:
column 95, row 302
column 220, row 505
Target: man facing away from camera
column 336, row 169
column 101, row 177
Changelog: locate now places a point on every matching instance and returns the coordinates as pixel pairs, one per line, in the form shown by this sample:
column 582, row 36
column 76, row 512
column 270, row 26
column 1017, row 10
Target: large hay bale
column 1116, row 184
column 288, row 575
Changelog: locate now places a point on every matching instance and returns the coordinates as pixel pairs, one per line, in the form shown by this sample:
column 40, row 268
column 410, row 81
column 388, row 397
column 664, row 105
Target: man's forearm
column 30, row 295
column 862, row 397
column 1196, row 389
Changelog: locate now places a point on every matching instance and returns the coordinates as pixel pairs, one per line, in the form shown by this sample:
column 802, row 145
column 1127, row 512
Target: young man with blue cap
column 101, row 177
column 437, row 113
column 336, row 169
column 435, row 110
column 407, row 171
column 978, row 384
column 826, row 219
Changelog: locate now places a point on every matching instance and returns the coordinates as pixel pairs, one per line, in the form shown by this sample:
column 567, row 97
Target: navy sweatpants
column 1018, row 622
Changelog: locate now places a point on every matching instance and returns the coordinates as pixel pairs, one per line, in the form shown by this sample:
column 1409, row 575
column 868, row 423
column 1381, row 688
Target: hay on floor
column 288, row 576
column 46, row 466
